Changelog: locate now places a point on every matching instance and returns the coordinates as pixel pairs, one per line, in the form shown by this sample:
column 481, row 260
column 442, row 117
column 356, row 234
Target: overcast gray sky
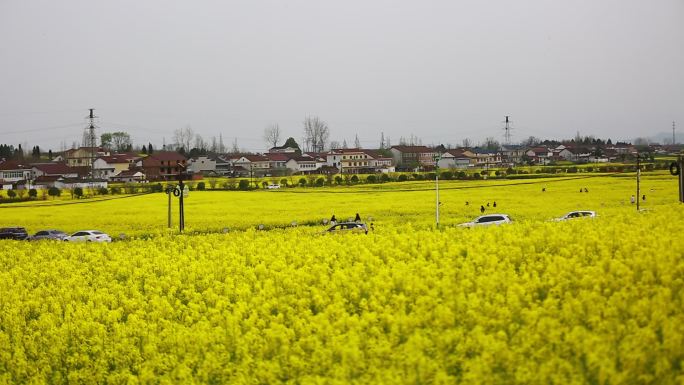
column 441, row 70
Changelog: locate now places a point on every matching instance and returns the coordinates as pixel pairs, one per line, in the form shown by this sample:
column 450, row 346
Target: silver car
column 88, row 236
column 578, row 214
column 489, row 219
column 56, row 235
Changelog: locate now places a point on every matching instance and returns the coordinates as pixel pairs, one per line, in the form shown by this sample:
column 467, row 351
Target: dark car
column 56, row 235
column 352, row 227
column 13, row 233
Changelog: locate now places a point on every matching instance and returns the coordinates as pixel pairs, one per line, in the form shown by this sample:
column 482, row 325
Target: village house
column 413, row 157
column 12, row 172
column 163, row 165
column 81, row 157
column 457, row 158
column 129, row 176
column 539, row 155
column 255, row 165
column 512, row 154
column 203, row 164
column 485, row 157
column 107, row 166
column 53, row 169
column 304, row 164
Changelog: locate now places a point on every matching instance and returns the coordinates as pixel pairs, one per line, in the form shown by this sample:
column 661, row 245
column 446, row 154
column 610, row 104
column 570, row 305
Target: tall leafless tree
column 316, row 134
column 272, row 135
column 467, row 143
column 183, row 137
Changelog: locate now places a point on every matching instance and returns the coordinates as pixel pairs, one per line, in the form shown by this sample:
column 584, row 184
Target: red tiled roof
column 167, row 155
column 54, row 168
column 412, row 148
column 12, row 165
column 278, row 157
column 255, row 158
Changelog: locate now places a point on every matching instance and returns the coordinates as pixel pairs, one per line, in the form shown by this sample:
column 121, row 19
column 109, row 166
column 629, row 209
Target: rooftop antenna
column 507, row 133
column 91, row 141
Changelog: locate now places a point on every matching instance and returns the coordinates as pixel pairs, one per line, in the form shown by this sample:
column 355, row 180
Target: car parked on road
column 18, row 233
column 57, row 235
column 273, row 186
column 351, row 227
column 489, row 219
column 578, row 214
column 88, row 236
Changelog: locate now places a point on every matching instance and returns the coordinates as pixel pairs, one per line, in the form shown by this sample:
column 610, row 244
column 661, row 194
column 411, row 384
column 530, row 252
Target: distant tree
column 50, row 154
column 183, row 137
column 291, row 142
column 33, row 193
column 316, row 134
column 21, row 193
column 357, row 142
column 144, row 149
column 11, row 194
column 371, row 179
column 467, row 143
column 150, row 150
column 201, row 186
column 106, row 140
column 54, row 192
column 354, row 179
column 531, row 141
column 272, row 135
column 338, row 180
column 78, row 192
column 491, row 144
column 35, row 153
column 243, row 184
column 402, row 178
column 102, row 191
column 121, row 141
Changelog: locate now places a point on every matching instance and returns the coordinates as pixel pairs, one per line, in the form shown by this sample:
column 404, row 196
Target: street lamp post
column 437, row 158
column 180, row 192
column 638, row 181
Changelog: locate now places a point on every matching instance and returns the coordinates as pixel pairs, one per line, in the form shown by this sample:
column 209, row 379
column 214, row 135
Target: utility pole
column 638, row 180
column 91, row 142
column 507, row 133
column 437, row 158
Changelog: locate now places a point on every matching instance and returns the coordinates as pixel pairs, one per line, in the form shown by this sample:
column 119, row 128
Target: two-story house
column 163, row 165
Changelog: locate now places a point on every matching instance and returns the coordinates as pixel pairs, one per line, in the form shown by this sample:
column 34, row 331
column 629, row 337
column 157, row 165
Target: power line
column 43, row 128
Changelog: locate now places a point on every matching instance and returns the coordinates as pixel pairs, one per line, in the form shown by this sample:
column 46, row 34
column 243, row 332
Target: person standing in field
column 632, row 199
column 358, row 218
column 482, row 209
column 494, row 204
column 333, row 220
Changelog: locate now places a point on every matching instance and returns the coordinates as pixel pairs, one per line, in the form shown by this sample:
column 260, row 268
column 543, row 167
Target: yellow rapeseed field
column 596, row 301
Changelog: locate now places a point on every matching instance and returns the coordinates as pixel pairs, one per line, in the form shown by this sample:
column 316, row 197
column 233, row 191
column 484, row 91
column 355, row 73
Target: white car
column 88, row 236
column 577, row 214
column 489, row 219
column 273, row 186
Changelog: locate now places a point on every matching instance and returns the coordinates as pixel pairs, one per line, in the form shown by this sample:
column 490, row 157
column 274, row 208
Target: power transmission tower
column 507, row 131
column 91, row 141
